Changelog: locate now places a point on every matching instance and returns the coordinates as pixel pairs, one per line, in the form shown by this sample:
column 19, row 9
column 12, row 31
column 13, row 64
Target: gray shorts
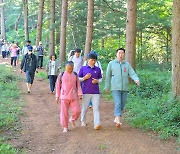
column 29, row 77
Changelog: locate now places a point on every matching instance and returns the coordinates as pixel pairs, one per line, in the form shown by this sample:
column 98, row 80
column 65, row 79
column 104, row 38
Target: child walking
column 68, row 92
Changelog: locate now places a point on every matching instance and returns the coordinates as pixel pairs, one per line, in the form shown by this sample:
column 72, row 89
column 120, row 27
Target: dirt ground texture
column 42, row 132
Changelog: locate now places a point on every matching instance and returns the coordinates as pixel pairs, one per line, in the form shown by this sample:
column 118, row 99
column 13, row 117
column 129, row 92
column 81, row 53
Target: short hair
column 77, row 50
column 52, row 55
column 28, row 41
column 70, row 63
column 92, row 56
column 120, row 49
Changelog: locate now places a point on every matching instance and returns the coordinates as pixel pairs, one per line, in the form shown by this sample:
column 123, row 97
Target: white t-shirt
column 4, row 48
column 52, row 66
column 77, row 63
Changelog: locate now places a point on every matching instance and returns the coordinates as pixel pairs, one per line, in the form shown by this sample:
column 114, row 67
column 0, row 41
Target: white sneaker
column 118, row 123
column 65, row 130
column 83, row 124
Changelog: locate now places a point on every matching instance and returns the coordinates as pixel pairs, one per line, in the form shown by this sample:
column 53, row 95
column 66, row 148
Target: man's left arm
column 133, row 75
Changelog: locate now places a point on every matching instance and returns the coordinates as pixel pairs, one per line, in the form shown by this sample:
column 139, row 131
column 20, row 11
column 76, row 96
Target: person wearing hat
column 25, row 47
column 29, row 66
column 40, row 54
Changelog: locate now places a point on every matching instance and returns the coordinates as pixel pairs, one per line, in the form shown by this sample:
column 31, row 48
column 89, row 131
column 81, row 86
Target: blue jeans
column 52, row 80
column 95, row 101
column 4, row 54
column 119, row 98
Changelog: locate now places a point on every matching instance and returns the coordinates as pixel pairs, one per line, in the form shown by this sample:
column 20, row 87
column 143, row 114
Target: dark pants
column 4, row 54
column 40, row 61
column 13, row 59
column 29, row 77
column 52, row 80
column 7, row 54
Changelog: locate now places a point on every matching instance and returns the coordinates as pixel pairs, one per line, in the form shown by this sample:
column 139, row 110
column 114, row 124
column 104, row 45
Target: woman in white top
column 52, row 69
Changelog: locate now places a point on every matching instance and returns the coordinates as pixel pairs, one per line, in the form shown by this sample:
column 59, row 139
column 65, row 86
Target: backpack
column 74, row 74
column 71, row 58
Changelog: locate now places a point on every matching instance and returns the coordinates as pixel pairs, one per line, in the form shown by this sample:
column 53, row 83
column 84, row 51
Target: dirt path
column 42, row 133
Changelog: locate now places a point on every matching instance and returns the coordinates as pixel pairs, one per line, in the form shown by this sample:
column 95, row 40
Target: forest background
column 150, row 106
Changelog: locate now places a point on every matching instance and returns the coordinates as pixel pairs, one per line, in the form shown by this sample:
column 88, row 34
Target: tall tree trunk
column 25, row 8
column 89, row 30
column 63, row 31
column 58, row 36
column 3, row 31
column 175, row 49
column 17, row 21
column 131, row 32
column 39, row 22
column 52, row 21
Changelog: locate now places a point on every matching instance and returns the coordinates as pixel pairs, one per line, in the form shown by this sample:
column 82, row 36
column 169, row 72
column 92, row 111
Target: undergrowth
column 10, row 107
column 151, row 106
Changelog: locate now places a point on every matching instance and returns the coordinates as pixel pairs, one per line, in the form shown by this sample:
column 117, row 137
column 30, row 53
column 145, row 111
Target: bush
column 151, row 107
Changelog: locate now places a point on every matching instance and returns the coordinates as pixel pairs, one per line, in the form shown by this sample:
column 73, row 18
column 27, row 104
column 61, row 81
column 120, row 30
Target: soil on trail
column 42, row 132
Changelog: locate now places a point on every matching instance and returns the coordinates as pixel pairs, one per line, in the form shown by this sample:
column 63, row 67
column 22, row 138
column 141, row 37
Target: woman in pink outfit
column 68, row 92
column 14, row 54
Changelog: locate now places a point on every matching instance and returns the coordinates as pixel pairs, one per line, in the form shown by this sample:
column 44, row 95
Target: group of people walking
column 80, row 81
column 10, row 49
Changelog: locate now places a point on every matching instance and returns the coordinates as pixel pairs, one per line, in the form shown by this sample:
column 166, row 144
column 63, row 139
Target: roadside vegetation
column 10, row 108
column 151, row 106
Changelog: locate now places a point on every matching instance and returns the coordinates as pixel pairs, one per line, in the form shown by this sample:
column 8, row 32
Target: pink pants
column 64, row 116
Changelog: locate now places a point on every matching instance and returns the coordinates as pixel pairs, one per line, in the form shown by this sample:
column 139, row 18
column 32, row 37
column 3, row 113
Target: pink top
column 70, row 87
column 14, row 52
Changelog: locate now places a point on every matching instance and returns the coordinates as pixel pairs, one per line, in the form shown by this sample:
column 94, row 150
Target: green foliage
column 42, row 75
column 150, row 106
column 6, row 148
column 9, row 105
column 102, row 147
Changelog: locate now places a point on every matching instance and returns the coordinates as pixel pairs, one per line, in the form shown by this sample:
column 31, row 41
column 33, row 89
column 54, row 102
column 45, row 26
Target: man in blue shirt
column 90, row 75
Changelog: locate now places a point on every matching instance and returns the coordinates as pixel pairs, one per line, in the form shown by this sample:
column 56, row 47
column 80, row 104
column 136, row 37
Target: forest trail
column 42, row 133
